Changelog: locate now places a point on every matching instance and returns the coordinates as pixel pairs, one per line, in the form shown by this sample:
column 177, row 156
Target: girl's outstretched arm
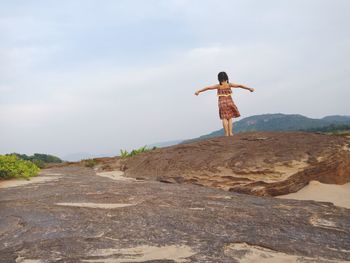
column 232, row 85
column 207, row 88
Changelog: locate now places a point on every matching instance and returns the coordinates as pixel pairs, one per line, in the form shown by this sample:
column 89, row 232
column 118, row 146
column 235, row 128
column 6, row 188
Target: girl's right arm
column 216, row 86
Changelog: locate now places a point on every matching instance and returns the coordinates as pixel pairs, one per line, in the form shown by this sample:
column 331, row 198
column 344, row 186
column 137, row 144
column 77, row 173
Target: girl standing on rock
column 227, row 108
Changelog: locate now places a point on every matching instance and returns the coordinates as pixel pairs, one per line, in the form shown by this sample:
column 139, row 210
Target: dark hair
column 222, row 76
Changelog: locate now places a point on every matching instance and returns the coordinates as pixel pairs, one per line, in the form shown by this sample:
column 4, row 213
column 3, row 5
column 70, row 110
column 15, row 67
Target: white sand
column 220, row 196
column 22, row 182
column 95, row 205
column 197, row 208
column 339, row 195
column 142, row 253
column 23, row 260
column 256, row 254
column 116, row 175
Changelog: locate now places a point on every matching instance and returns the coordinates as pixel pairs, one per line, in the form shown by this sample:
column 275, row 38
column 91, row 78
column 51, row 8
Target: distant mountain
column 337, row 119
column 279, row 122
column 76, row 157
column 164, row 144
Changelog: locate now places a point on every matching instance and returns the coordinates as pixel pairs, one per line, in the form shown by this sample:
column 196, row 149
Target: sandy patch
column 220, row 196
column 141, row 254
column 245, row 253
column 286, row 170
column 23, row 260
column 278, row 172
column 22, row 182
column 324, row 223
column 315, row 221
column 339, row 195
column 346, row 147
column 95, row 205
column 275, row 173
column 116, row 175
column 197, row 208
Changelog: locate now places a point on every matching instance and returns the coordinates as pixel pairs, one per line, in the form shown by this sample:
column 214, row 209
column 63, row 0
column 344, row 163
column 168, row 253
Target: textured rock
column 259, row 163
column 166, row 223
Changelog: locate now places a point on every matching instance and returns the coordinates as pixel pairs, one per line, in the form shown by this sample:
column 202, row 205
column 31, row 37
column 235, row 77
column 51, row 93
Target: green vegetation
column 125, row 153
column 283, row 122
column 13, row 167
column 38, row 159
column 341, row 133
column 89, row 162
column 333, row 128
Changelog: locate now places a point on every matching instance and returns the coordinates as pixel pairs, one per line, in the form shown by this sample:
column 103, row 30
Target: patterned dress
column 227, row 108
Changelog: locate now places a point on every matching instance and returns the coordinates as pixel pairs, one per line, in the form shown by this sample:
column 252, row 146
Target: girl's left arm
column 232, row 85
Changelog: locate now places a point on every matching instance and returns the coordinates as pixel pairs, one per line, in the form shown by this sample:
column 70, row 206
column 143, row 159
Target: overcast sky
column 99, row 76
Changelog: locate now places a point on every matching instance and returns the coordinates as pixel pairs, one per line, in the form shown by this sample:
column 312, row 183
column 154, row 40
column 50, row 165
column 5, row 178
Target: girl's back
column 224, row 89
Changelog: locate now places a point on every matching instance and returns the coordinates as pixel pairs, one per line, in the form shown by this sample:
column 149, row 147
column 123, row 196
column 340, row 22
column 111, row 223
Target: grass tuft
column 125, row 153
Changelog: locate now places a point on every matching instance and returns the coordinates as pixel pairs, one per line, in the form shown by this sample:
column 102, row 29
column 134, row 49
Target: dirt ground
column 83, row 216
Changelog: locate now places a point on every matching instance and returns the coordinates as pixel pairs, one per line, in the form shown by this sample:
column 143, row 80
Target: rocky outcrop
column 81, row 216
column 258, row 163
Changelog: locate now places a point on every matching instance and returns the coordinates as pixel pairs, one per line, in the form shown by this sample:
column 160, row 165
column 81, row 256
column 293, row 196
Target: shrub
column 13, row 167
column 38, row 159
column 39, row 163
column 89, row 163
column 45, row 158
column 125, row 153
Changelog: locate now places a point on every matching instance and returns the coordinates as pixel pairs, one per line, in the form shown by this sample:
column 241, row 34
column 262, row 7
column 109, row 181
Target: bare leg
column 225, row 124
column 230, row 132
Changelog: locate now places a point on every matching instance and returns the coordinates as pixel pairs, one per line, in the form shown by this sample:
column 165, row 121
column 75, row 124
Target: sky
column 99, row 76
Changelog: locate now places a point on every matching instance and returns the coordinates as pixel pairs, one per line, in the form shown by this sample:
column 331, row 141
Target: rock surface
column 80, row 216
column 258, row 163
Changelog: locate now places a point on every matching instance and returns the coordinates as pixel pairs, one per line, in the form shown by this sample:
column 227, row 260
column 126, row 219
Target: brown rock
column 84, row 217
column 259, row 163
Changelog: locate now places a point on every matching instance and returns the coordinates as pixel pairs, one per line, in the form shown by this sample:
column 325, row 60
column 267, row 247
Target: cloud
column 99, row 77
